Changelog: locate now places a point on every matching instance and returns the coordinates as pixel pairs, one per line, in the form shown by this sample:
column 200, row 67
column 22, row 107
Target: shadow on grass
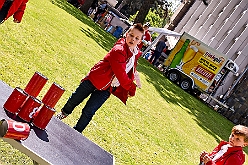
column 206, row 118
column 103, row 38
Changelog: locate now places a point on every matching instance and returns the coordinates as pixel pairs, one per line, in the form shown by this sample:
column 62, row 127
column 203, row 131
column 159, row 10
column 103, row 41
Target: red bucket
column 15, row 100
column 53, row 95
column 14, row 130
column 29, row 109
column 35, row 84
column 44, row 116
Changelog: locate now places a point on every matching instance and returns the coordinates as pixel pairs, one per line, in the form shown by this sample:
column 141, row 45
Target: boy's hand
column 204, row 157
column 16, row 21
column 203, row 153
column 137, row 79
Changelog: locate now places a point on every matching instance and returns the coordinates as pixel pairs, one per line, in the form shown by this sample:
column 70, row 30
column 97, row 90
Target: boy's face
column 133, row 38
column 235, row 140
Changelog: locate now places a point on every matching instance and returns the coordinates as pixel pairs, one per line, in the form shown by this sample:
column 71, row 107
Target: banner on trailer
column 201, row 62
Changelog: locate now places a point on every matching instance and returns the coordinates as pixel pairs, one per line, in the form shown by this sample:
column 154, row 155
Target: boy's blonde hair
column 241, row 130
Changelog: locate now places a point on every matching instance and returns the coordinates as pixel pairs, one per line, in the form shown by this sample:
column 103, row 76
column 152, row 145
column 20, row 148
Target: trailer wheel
column 185, row 84
column 173, row 76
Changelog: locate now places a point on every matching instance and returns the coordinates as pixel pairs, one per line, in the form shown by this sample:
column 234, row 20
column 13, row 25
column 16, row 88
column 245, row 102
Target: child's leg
column 156, row 58
column 95, row 101
column 84, row 90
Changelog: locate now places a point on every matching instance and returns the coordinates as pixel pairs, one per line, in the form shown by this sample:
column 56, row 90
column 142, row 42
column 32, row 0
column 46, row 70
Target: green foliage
column 159, row 14
column 152, row 17
column 162, row 124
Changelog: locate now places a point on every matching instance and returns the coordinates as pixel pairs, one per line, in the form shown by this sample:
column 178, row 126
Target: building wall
column 238, row 103
column 222, row 25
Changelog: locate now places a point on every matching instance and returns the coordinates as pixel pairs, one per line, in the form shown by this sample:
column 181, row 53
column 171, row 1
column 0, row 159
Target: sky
column 175, row 3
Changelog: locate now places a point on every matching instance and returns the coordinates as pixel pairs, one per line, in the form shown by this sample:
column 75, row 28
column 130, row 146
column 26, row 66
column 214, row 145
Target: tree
column 142, row 6
column 130, row 7
column 162, row 7
column 144, row 9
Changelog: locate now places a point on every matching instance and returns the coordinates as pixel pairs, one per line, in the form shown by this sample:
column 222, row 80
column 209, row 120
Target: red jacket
column 233, row 156
column 17, row 9
column 114, row 64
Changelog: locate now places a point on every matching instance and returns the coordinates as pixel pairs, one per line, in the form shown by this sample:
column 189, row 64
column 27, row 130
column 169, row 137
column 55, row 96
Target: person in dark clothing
column 157, row 52
column 101, row 9
column 93, row 7
column 115, row 74
column 94, row 4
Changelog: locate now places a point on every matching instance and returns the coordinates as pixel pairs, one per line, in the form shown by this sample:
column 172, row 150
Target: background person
column 146, row 39
column 12, row 7
column 92, row 7
column 100, row 10
column 158, row 50
column 114, row 74
column 228, row 153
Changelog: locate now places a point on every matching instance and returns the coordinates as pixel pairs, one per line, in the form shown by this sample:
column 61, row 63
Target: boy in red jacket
column 12, row 7
column 228, row 153
column 114, row 74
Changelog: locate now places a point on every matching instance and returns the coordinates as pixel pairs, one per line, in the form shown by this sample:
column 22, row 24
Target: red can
column 29, row 108
column 53, row 95
column 35, row 84
column 44, row 116
column 14, row 130
column 15, row 100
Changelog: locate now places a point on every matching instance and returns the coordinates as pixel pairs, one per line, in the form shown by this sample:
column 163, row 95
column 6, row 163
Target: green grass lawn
column 161, row 125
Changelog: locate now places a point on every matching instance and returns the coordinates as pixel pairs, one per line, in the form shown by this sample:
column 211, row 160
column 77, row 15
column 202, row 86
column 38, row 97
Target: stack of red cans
column 26, row 105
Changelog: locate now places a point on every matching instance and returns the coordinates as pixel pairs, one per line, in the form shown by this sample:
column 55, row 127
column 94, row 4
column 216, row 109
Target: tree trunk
column 140, row 18
column 86, row 6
